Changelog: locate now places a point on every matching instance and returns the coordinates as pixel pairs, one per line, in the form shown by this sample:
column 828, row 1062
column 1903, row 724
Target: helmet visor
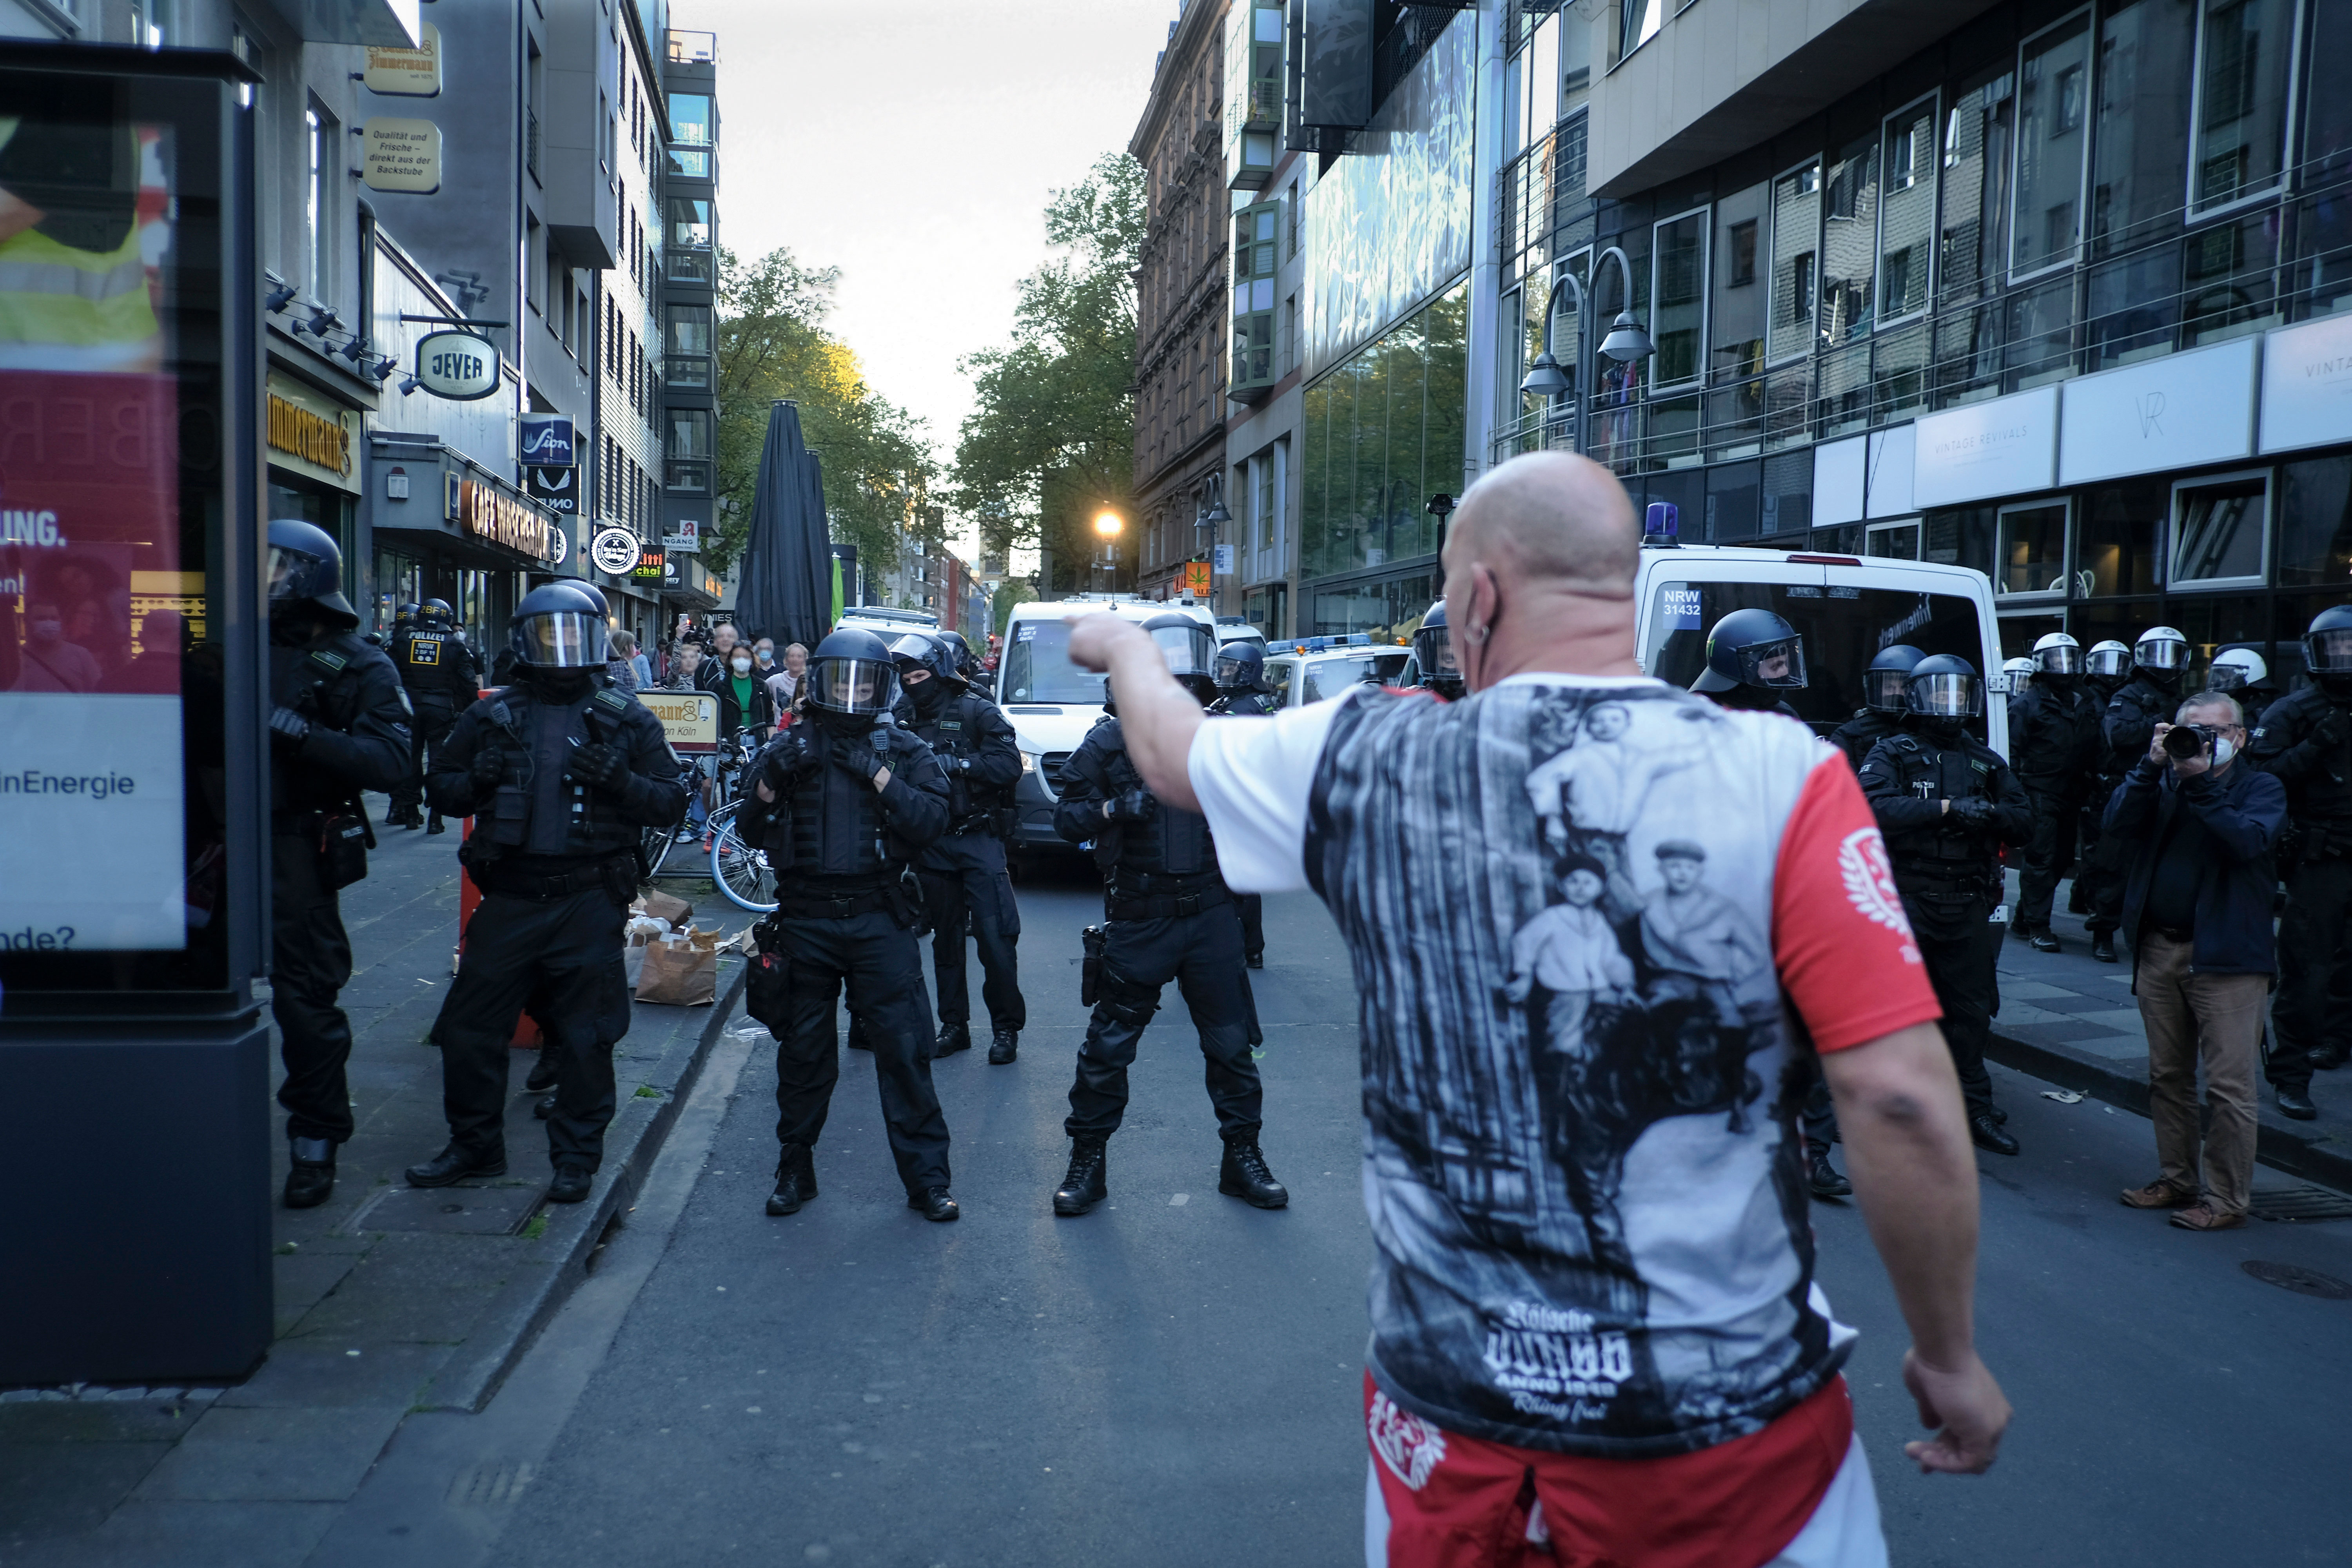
column 1951, row 696
column 1232, row 672
column 290, row 571
column 1778, row 666
column 2060, row 661
column 563, row 639
column 1883, row 689
column 1189, row 650
column 1433, row 646
column 2162, row 653
column 2108, row 661
column 860, row 686
column 2225, row 678
column 912, row 650
column 2330, row 651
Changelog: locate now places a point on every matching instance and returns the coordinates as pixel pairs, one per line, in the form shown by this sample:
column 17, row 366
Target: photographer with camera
column 2198, row 829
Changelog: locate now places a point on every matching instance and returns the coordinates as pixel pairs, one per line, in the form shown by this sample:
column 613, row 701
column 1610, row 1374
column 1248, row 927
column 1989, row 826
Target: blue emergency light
column 1661, row 524
column 1317, row 645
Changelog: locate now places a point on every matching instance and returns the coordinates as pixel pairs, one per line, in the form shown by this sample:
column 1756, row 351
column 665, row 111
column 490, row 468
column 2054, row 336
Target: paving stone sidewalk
column 389, row 1299
column 2068, row 1018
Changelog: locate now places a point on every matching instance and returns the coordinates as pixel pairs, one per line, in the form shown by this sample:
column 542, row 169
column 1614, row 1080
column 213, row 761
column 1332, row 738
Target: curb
column 2316, row 1159
column 528, row 1301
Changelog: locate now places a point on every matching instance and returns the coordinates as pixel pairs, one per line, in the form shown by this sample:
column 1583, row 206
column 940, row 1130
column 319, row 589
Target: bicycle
column 738, row 870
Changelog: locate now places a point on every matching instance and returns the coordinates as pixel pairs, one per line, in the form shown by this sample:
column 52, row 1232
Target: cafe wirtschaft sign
column 458, row 365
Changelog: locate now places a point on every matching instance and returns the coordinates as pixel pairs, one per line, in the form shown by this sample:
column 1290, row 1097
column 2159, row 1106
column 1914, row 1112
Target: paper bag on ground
column 668, row 907
column 678, row 974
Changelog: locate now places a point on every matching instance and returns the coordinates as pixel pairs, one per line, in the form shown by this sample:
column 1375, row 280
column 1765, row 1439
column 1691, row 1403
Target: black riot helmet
column 434, row 613
column 405, row 617
column 851, row 681
column 1943, row 692
column 1432, row 649
column 2327, row 651
column 1881, row 684
column 1189, row 649
column 559, row 626
column 1753, row 647
column 306, row 568
column 960, row 656
column 1240, row 667
column 930, row 654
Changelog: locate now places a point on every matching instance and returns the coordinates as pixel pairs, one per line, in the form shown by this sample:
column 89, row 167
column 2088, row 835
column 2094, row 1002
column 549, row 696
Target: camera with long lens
column 2187, row 740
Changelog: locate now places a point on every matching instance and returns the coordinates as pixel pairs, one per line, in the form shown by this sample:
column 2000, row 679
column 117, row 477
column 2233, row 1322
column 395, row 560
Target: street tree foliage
column 1052, row 441
column 879, row 474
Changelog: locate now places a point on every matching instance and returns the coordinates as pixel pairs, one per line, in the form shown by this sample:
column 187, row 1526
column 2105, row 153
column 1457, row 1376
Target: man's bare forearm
column 1156, row 716
column 1906, row 1141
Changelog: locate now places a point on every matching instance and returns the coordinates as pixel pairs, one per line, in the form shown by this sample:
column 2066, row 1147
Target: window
column 2053, row 69
column 689, row 225
column 689, row 120
column 691, row 163
column 2315, row 524
column 1796, row 237
column 1268, row 499
column 2145, row 52
column 2239, row 121
column 1253, row 282
column 1973, row 245
column 2032, row 550
column 689, row 448
column 319, row 202
column 1892, row 541
column 2218, row 529
column 1735, row 312
column 2119, row 551
column 690, row 329
column 1678, row 296
column 1640, row 19
column 1906, row 216
column 1850, row 242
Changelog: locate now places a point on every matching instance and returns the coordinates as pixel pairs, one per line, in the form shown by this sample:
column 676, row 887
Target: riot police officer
column 2147, row 698
column 1433, row 650
column 2306, row 742
column 2099, row 876
column 965, row 884
column 2054, row 736
column 1166, row 916
column 442, row 680
column 2105, row 667
column 1242, row 689
column 1751, row 656
column 845, row 804
column 2245, row 675
column 1882, row 711
column 338, row 725
column 1946, row 803
column 561, row 773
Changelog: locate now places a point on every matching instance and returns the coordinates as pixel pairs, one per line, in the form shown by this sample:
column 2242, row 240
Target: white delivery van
column 1846, row 608
column 1052, row 703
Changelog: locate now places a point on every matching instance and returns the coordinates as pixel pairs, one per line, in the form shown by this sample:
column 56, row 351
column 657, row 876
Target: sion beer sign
column 459, row 366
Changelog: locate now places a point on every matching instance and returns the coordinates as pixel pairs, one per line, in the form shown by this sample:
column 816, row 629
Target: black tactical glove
column 1130, row 806
column 289, row 728
column 600, row 765
column 489, row 767
column 788, row 760
column 857, row 761
column 2328, row 736
column 1972, row 814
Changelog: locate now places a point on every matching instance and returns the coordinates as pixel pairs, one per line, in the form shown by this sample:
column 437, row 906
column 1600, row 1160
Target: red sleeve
column 1839, row 939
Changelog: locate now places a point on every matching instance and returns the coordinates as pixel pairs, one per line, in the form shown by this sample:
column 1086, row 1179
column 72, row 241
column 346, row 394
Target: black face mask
column 1939, row 729
column 2339, row 687
column 928, row 697
column 562, row 686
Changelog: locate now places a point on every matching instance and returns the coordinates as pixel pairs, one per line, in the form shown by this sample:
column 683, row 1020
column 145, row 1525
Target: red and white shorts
column 1796, row 1494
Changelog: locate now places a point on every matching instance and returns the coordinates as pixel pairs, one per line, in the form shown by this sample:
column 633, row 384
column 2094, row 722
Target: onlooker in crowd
column 784, row 685
column 763, row 654
column 163, row 642
column 2197, row 916
column 743, row 699
column 51, row 663
column 688, row 668
column 628, row 668
column 714, row 668
column 685, row 667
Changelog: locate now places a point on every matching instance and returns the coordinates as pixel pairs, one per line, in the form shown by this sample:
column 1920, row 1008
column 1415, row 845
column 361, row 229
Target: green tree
column 879, row 474
column 1052, row 441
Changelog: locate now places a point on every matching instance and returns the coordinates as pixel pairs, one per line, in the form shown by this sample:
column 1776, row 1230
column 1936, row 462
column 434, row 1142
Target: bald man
column 1619, row 1266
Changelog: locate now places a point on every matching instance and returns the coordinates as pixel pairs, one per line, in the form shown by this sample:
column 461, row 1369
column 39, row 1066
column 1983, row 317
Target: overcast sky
column 912, row 145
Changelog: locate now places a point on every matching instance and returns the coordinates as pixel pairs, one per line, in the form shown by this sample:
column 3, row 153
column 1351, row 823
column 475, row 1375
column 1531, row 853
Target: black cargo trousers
column 429, row 728
column 311, row 961
column 1201, row 951
column 968, row 893
column 882, row 966
column 563, row 954
column 2310, row 1010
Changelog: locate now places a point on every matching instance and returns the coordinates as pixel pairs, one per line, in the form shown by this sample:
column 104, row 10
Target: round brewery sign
column 457, row 365
column 614, row 552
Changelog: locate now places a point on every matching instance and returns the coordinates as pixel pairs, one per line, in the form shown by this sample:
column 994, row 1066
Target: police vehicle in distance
column 1052, row 703
column 1234, row 629
column 887, row 624
column 1304, row 671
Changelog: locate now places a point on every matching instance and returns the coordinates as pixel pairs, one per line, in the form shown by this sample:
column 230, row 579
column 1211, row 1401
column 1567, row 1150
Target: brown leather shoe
column 2159, row 1195
column 2205, row 1217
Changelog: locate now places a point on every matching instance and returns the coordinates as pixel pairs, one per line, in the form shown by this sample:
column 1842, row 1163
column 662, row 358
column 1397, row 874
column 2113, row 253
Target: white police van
column 1303, row 670
column 1052, row 703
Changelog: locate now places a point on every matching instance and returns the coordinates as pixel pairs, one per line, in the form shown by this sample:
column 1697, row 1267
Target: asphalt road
column 1175, row 1378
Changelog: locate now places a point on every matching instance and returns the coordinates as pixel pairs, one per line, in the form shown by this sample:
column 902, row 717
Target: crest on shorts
column 1870, row 885
column 1409, row 1446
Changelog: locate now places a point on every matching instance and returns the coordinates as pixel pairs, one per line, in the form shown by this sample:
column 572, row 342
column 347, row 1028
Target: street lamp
column 1108, row 526
column 1627, row 341
column 1440, row 507
column 1209, row 519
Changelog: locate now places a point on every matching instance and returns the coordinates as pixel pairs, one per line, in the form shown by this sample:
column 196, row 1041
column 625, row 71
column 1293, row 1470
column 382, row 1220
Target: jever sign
column 458, row 366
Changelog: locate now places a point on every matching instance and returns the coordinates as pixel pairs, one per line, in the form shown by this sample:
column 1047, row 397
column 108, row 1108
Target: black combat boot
column 1822, row 1177
column 795, row 1180
column 433, row 823
column 938, row 1205
column 543, row 1073
column 1985, row 1131
column 454, row 1165
column 1085, row 1185
column 857, row 1034
column 2102, row 946
column 953, row 1038
column 1244, row 1176
column 310, row 1179
column 1003, row 1047
column 570, row 1184
column 2293, row 1100
column 2044, row 940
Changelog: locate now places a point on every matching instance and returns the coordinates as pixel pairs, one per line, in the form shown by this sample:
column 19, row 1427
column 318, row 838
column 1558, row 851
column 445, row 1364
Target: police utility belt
column 1119, row 905
column 615, row 875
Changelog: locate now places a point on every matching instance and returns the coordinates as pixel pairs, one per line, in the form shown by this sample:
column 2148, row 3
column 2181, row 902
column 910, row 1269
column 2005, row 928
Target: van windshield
column 1843, row 628
column 1038, row 666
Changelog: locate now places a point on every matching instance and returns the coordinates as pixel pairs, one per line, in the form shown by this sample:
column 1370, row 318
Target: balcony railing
column 688, row 372
column 688, row 267
column 691, row 48
column 689, row 475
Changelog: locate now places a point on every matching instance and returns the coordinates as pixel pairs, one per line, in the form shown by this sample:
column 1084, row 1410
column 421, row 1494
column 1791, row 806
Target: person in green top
column 743, row 701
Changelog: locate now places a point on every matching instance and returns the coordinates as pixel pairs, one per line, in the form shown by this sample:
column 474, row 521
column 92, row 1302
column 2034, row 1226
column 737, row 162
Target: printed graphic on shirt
column 1589, row 1198
column 1869, row 877
column 1409, row 1446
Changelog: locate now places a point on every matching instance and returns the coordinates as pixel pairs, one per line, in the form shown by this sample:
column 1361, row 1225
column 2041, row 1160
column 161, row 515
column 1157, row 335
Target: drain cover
column 500, row 1210
column 2301, row 1202
column 2301, row 1281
